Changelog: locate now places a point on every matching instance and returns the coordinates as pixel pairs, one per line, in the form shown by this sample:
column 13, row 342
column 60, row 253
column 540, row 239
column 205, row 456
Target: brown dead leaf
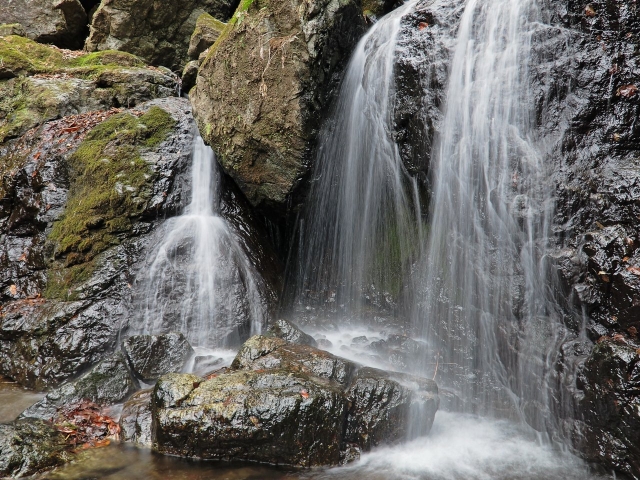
column 634, row 270
column 13, row 290
column 627, row 91
column 589, row 11
column 304, row 394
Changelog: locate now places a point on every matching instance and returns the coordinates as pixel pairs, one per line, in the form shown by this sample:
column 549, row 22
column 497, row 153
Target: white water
column 361, row 221
column 199, row 280
column 465, row 447
column 486, row 310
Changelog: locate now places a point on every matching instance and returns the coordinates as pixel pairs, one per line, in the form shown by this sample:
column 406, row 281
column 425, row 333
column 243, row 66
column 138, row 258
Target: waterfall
column 361, row 226
column 198, row 279
column 486, row 309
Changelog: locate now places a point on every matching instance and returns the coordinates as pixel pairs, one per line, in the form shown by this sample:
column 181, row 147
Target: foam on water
column 466, row 447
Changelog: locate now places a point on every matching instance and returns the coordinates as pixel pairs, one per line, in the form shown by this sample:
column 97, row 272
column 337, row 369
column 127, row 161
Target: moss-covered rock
column 43, row 83
column 264, row 87
column 45, row 340
column 207, row 31
column 156, row 31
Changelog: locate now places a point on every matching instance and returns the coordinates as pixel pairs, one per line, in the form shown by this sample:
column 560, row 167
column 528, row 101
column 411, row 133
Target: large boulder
column 61, row 22
column 156, row 31
column 291, row 404
column 265, row 86
column 151, row 356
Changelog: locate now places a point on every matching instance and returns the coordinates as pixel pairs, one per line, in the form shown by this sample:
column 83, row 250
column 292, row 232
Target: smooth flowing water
column 362, row 223
column 486, row 308
column 199, row 280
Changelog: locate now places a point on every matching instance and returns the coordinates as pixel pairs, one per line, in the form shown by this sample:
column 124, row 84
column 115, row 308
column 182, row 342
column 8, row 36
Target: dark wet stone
column 274, row 417
column 151, row 356
column 29, row 446
column 62, row 22
column 388, row 406
column 107, row 383
column 282, row 403
column 290, row 332
column 135, row 419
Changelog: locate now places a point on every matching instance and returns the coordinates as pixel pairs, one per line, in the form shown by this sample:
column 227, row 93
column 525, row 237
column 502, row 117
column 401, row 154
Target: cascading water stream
column 199, row 280
column 362, row 224
column 486, row 308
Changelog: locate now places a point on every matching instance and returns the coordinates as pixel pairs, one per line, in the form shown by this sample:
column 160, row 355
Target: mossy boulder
column 282, row 403
column 110, row 186
column 156, row 31
column 61, row 22
column 265, row 86
column 42, row 83
column 207, row 31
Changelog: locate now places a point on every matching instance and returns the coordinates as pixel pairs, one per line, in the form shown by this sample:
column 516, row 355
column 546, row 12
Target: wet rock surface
column 107, row 383
column 28, row 447
column 290, row 332
column 290, row 404
column 262, row 114
column 157, row 32
column 151, row 356
column 49, row 334
column 61, row 22
column 135, row 419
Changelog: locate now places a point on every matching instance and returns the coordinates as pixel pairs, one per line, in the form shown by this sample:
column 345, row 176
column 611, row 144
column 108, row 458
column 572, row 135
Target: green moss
column 22, row 56
column 110, row 186
column 208, row 22
column 237, row 18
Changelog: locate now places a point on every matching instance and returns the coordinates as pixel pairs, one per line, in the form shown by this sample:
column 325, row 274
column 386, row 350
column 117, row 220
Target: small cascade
column 199, row 280
column 486, row 309
column 362, row 224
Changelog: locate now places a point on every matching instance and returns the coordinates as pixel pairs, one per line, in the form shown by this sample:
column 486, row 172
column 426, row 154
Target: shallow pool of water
column 459, row 447
column 14, row 399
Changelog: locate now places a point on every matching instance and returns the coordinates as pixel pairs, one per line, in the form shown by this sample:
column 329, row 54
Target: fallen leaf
column 627, row 91
column 13, row 290
column 422, row 25
column 304, row 394
column 634, row 270
column 589, row 11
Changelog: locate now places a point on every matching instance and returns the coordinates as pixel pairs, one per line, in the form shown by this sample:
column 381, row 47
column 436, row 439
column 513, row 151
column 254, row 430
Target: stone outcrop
column 290, row 404
column 265, row 87
column 61, row 22
column 151, row 356
column 207, row 31
column 156, row 31
column 64, row 285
